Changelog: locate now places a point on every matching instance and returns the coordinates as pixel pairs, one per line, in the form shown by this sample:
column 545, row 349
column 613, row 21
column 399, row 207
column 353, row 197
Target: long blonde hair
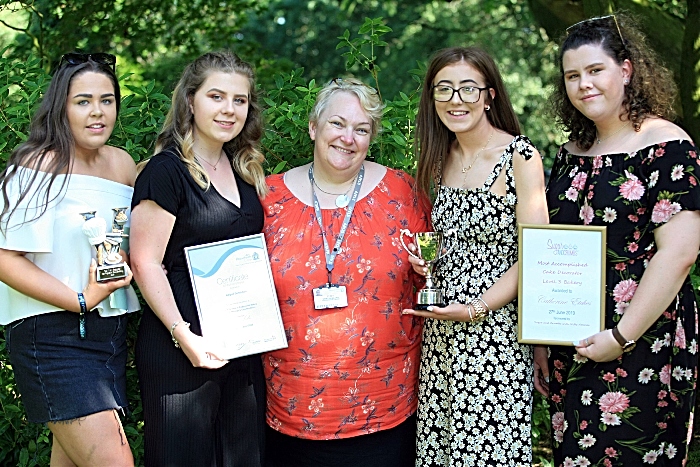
column 177, row 132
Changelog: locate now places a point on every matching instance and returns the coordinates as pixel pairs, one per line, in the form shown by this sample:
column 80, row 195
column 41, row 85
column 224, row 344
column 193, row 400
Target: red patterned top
column 354, row 370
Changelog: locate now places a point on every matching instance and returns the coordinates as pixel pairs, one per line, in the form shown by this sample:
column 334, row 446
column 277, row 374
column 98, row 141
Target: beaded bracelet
column 83, row 310
column 172, row 331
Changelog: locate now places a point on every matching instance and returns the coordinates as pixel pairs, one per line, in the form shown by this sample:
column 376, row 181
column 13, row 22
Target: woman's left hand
column 600, row 347
column 452, row 312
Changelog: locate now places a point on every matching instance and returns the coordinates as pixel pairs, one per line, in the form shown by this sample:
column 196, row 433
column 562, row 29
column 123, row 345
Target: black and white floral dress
column 475, row 392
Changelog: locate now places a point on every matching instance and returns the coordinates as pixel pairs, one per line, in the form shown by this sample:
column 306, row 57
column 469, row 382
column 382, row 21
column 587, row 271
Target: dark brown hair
column 49, row 149
column 433, row 138
column 651, row 90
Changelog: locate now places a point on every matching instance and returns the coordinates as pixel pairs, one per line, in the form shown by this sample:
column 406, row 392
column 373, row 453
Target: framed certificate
column 235, row 295
column 561, row 283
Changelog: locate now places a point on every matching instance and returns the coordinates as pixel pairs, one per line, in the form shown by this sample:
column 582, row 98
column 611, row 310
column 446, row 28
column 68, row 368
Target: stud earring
column 626, row 82
column 488, row 107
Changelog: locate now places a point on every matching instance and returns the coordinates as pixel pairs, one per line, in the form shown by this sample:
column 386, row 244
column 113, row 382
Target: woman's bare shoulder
column 657, row 130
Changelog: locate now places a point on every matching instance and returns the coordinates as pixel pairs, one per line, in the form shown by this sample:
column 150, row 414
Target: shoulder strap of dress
column 520, row 143
column 523, row 145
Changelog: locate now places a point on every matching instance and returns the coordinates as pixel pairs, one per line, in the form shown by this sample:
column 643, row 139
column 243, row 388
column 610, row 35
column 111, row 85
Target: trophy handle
column 408, row 233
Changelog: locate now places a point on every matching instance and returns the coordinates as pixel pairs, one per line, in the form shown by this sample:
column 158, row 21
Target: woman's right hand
column 94, row 292
column 198, row 349
column 417, row 263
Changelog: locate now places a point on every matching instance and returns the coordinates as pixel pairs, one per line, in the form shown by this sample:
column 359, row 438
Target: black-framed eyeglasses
column 468, row 94
column 75, row 58
column 595, row 19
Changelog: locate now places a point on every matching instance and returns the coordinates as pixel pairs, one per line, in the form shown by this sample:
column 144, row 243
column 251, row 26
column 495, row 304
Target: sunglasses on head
column 75, row 58
column 590, row 21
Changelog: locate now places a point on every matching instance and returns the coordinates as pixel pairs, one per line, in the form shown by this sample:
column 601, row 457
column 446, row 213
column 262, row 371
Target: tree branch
column 25, row 30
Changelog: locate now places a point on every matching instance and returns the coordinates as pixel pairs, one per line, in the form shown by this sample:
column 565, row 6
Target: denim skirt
column 61, row 376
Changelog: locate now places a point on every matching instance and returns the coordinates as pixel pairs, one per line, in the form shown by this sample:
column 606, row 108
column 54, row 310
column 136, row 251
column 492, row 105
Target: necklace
column 342, row 199
column 213, row 166
column 598, row 140
column 465, row 170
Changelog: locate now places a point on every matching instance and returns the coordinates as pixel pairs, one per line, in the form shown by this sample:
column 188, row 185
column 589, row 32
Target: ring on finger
column 587, row 343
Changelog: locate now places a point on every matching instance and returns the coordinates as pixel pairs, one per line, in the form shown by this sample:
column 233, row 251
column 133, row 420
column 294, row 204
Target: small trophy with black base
column 110, row 264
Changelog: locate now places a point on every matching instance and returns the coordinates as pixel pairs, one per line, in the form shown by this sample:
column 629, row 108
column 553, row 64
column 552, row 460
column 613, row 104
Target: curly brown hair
column 651, row 91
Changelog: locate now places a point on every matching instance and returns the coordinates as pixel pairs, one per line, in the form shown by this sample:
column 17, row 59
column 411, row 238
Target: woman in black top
column 201, row 186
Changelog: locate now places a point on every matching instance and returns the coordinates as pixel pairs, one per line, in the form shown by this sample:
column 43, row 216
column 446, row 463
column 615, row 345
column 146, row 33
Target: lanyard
column 330, row 256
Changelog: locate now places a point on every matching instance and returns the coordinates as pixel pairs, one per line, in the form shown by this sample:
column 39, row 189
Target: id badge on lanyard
column 330, row 296
column 333, row 295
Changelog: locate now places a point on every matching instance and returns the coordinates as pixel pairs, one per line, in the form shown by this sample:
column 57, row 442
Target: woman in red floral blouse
column 344, row 391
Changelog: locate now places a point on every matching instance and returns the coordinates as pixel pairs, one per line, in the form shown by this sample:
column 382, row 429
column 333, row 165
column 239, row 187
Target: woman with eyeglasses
column 65, row 331
column 344, row 392
column 201, row 186
column 625, row 396
column 476, row 380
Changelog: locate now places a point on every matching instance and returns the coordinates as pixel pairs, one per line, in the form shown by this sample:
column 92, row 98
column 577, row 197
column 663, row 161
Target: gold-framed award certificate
column 235, row 296
column 561, row 283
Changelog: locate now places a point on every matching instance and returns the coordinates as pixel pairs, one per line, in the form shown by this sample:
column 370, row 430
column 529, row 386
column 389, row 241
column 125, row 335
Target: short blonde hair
column 368, row 96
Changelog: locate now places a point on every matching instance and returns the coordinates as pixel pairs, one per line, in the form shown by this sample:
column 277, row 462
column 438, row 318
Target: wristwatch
column 627, row 346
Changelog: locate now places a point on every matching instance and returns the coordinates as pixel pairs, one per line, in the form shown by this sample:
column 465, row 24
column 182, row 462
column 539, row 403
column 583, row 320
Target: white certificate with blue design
column 235, row 296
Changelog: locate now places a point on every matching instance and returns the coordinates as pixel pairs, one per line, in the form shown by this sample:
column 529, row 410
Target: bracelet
column 83, row 310
column 480, row 312
column 469, row 311
column 172, row 331
column 485, row 304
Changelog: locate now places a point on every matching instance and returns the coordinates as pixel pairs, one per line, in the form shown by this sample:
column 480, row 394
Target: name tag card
column 561, row 283
column 333, row 296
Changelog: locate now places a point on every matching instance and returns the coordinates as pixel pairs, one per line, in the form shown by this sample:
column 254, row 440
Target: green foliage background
column 277, row 36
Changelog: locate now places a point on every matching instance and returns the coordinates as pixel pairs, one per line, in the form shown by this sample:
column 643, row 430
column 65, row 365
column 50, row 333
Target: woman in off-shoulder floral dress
column 625, row 396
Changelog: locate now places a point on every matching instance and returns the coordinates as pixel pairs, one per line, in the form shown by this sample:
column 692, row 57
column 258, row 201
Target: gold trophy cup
column 429, row 246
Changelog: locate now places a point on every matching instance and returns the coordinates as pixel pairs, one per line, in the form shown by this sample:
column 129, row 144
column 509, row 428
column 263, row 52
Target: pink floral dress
column 637, row 409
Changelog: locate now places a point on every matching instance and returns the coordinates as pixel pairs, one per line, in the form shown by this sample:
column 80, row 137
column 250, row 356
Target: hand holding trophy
column 429, row 246
column 110, row 264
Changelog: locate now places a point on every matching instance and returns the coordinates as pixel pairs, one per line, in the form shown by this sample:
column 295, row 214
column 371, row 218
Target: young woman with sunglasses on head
column 201, row 186
column 66, row 332
column 476, row 380
column 625, row 396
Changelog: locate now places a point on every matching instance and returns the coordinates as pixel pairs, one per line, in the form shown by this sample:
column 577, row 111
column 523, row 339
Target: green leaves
column 21, row 85
column 286, row 142
column 362, row 49
column 140, row 119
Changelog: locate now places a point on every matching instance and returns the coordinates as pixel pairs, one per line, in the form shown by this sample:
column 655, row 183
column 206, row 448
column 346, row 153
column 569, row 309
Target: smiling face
column 91, row 110
column 220, row 108
column 341, row 135
column 457, row 116
column 595, row 82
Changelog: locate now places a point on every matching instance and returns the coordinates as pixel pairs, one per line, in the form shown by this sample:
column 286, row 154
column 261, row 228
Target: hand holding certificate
column 235, row 296
column 561, row 288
